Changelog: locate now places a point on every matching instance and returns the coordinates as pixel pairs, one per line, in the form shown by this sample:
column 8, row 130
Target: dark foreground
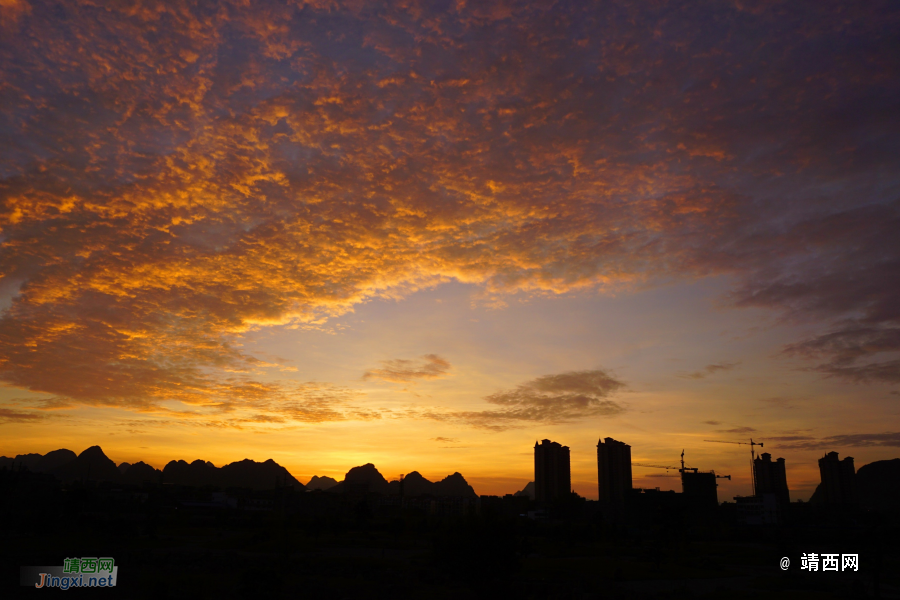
column 176, row 543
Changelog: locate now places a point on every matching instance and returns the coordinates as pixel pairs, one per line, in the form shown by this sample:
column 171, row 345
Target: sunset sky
column 427, row 234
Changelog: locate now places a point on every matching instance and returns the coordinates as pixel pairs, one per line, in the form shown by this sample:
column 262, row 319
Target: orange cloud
column 399, row 370
column 551, row 399
column 17, row 416
column 177, row 175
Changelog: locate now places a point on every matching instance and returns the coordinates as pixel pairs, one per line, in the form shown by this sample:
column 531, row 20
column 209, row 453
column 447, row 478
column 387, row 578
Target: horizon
column 428, row 476
column 336, row 233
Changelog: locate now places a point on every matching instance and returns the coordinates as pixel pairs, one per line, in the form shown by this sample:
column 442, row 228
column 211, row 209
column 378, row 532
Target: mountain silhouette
column 454, row 485
column 29, row 461
column 363, row 479
column 38, row 463
column 878, row 485
column 366, row 478
column 414, row 485
column 90, row 465
column 246, row 473
column 140, row 472
column 197, row 473
column 528, row 490
column 321, row 483
column 94, row 465
column 55, row 459
column 259, row 476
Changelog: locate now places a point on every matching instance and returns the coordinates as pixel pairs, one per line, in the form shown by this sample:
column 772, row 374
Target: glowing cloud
column 175, row 175
column 550, row 399
column 398, row 370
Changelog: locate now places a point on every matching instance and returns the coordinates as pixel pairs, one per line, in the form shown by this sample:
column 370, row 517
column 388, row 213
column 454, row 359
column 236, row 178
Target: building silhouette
column 770, row 478
column 838, row 480
column 613, row 471
column 699, row 488
column 552, row 476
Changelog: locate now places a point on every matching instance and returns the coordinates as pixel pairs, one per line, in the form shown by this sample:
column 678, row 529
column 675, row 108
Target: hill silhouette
column 415, row 485
column 140, row 472
column 454, row 485
column 528, row 491
column 878, row 485
column 259, row 476
column 27, row 461
column 94, row 465
column 246, row 473
column 321, row 483
column 55, row 459
column 366, row 478
column 38, row 463
column 197, row 473
column 90, row 465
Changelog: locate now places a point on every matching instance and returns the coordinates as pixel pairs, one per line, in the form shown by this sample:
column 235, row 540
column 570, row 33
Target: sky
column 426, row 235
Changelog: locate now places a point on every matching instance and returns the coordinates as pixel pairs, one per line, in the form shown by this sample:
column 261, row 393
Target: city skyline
column 604, row 463
column 425, row 236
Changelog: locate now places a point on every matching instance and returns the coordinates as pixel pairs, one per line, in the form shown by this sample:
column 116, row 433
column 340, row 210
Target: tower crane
column 656, row 467
column 751, row 443
column 652, row 466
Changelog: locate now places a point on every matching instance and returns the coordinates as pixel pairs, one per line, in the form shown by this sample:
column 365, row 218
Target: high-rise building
column 613, row 470
column 838, row 480
column 770, row 478
column 552, row 476
column 699, row 488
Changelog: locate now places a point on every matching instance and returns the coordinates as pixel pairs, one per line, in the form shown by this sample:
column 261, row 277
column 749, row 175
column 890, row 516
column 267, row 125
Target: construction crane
column 656, row 467
column 652, row 466
column 751, row 443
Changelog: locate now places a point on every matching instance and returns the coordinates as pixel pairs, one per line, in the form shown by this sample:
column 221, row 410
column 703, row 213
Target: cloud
column 398, row 370
column 848, row 275
column 8, row 415
column 712, row 422
column 551, row 399
column 851, row 348
column 790, row 438
column 172, row 180
column 445, row 440
column 710, row 370
column 778, row 402
column 737, row 430
column 263, row 419
column 54, row 404
column 855, row 440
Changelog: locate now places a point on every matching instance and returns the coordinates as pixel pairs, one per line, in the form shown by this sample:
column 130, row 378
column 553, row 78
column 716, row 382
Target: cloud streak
column 398, row 370
column 8, row 415
column 854, row 440
column 710, row 370
column 551, row 399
